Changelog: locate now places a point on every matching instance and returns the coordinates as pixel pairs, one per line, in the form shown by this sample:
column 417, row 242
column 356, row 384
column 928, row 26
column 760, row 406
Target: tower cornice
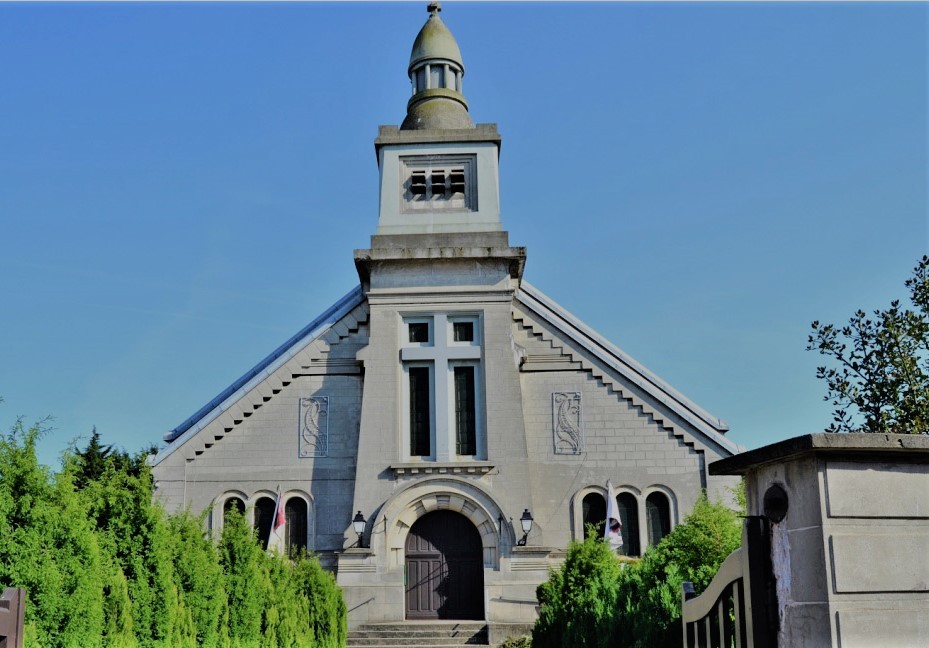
column 393, row 135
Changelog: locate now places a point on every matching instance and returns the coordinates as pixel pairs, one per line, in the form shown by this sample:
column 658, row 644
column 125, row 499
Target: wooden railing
column 737, row 609
column 12, row 609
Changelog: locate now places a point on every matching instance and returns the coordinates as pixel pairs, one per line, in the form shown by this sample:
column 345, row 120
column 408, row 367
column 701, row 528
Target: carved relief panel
column 313, row 439
column 566, row 423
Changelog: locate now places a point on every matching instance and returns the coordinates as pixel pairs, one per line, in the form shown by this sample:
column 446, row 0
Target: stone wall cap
column 912, row 446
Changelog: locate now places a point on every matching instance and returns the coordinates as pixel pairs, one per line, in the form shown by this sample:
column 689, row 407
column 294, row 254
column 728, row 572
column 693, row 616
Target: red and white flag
column 279, row 518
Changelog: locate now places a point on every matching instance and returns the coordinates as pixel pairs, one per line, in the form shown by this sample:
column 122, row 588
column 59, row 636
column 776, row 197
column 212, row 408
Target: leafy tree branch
column 879, row 378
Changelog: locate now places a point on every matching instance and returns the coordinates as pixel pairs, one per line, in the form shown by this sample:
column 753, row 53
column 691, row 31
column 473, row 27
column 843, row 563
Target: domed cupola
column 435, row 71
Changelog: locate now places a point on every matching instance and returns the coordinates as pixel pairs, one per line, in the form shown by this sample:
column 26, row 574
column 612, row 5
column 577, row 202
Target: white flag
column 614, row 526
column 276, row 540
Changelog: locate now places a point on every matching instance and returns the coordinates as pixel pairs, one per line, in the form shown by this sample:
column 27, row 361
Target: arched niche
column 658, row 515
column 222, row 505
column 263, row 517
column 579, row 515
column 300, row 521
column 593, row 514
column 627, row 505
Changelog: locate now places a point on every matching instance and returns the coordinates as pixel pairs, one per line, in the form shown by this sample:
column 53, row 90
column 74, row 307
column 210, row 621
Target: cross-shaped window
column 443, row 412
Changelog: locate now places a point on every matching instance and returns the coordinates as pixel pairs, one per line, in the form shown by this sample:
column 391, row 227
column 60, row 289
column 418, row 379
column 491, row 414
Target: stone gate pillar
column 849, row 520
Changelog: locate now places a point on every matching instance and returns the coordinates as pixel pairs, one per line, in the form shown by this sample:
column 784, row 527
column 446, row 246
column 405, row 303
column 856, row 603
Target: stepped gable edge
column 710, row 427
column 228, row 397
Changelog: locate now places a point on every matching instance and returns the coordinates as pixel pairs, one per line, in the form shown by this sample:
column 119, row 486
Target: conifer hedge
column 593, row 601
column 104, row 565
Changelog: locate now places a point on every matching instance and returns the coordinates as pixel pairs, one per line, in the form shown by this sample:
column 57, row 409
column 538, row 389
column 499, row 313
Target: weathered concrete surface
column 851, row 557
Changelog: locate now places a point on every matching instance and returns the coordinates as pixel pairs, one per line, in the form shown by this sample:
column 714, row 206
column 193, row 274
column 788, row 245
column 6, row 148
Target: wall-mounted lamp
column 526, row 522
column 358, row 523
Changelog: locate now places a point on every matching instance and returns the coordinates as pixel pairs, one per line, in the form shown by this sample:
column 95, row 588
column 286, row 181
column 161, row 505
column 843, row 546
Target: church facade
column 441, row 433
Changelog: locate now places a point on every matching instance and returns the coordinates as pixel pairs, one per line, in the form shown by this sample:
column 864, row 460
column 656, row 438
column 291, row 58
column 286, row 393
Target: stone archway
column 444, row 568
column 400, row 513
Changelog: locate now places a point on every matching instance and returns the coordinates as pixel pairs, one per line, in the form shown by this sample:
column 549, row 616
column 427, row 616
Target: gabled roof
column 710, row 427
column 231, row 394
column 618, row 360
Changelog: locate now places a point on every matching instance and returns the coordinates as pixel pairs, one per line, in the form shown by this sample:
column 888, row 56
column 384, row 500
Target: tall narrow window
column 629, row 517
column 420, row 415
column 264, row 517
column 594, row 514
column 295, row 514
column 465, row 414
column 658, row 517
column 437, row 74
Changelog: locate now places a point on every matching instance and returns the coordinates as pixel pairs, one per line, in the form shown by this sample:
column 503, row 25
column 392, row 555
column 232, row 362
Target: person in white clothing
column 614, row 534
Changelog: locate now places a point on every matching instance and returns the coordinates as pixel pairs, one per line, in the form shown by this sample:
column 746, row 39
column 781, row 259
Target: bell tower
column 438, row 171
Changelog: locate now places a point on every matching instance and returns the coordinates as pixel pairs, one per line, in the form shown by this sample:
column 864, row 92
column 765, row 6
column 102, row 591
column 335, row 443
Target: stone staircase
column 419, row 634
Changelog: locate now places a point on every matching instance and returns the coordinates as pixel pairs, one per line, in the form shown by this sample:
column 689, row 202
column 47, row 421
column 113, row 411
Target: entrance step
column 417, row 634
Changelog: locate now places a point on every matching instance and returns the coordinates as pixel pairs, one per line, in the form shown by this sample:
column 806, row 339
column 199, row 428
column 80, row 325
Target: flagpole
column 278, row 521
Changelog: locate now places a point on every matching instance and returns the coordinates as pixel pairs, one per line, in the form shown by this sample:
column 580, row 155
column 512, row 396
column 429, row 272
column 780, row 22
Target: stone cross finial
column 434, row 7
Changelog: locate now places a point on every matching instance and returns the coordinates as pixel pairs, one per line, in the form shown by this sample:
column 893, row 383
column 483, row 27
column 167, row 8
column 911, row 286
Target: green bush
column 48, row 545
column 134, row 534
column 247, row 582
column 517, row 642
column 103, row 565
column 649, row 609
column 578, row 602
column 598, row 599
column 327, row 613
column 199, row 577
column 277, row 601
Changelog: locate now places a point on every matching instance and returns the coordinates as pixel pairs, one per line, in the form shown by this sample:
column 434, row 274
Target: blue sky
column 182, row 186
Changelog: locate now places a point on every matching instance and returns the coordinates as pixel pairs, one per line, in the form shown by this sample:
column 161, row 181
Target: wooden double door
column 444, row 568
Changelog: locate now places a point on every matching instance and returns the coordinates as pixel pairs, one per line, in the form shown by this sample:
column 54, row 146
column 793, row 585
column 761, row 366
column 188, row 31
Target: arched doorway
column 444, row 568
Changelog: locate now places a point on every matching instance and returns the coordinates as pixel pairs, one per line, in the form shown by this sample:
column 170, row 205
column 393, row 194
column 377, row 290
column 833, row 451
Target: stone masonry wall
column 620, row 443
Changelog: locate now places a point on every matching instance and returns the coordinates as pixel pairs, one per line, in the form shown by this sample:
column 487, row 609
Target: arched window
column 657, row 517
column 628, row 508
column 295, row 513
column 264, row 517
column 594, row 512
column 233, row 504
